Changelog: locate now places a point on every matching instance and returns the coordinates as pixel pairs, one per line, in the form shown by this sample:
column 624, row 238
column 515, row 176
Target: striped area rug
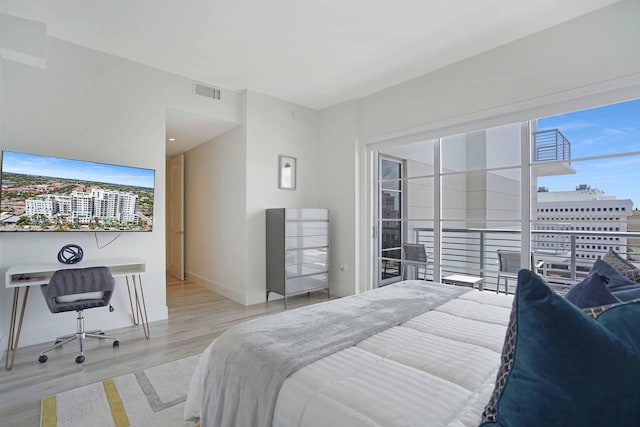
column 150, row 397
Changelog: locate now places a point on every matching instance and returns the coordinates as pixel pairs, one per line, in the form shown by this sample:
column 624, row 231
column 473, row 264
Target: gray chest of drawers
column 297, row 251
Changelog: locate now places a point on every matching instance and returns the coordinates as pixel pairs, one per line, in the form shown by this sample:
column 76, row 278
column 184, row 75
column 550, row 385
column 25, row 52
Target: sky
column 600, row 131
column 30, row 164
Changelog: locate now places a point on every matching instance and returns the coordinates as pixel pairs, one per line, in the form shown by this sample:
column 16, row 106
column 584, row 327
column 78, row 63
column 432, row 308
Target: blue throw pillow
column 560, row 367
column 615, row 278
column 627, row 294
column 623, row 320
column 591, row 292
column 624, row 288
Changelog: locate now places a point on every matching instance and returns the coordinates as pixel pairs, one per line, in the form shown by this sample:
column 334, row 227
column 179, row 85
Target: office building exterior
column 584, row 210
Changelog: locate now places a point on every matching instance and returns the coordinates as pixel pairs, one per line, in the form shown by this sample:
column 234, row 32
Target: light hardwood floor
column 196, row 317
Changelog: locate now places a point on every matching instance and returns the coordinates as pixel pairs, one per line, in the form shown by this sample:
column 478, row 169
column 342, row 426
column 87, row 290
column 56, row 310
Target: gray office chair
column 78, row 289
column 414, row 255
column 509, row 265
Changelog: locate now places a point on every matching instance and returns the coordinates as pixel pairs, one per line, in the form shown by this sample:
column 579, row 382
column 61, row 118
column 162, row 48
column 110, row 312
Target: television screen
column 41, row 193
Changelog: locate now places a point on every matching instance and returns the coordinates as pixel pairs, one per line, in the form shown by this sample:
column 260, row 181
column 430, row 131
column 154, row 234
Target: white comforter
column 437, row 369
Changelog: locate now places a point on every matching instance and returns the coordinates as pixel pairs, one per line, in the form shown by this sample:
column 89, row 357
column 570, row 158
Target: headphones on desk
column 70, row 254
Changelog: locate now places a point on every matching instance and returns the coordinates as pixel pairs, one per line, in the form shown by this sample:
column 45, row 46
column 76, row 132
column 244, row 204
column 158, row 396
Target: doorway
column 175, row 217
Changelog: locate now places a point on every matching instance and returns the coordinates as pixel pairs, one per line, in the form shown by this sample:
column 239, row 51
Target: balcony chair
column 414, row 255
column 77, row 290
column 509, row 265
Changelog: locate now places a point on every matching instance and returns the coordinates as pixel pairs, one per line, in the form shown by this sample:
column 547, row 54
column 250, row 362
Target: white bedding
column 437, row 369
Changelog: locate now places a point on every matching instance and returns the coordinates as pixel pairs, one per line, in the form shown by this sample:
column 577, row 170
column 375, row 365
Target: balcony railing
column 473, row 251
column 551, row 145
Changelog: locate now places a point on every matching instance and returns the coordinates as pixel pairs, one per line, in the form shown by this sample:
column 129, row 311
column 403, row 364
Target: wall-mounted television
column 42, row 193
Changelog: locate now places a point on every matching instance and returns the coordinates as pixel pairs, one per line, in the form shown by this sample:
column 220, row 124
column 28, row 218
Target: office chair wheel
column 116, row 344
column 43, row 358
column 80, row 359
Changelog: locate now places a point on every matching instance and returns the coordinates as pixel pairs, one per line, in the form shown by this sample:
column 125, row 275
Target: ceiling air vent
column 207, row 91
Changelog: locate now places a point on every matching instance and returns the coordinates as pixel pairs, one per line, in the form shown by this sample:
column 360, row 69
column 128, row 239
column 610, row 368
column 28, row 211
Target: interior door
column 175, row 193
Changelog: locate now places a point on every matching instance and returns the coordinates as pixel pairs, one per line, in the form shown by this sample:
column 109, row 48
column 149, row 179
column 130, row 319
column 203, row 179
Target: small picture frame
column 287, row 172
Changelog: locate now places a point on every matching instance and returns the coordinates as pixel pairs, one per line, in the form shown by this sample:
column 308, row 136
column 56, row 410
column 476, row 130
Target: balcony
column 551, row 153
column 549, row 145
column 564, row 256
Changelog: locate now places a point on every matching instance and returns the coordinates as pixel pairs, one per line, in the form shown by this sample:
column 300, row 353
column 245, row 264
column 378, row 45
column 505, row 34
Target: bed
column 417, row 353
column 426, row 354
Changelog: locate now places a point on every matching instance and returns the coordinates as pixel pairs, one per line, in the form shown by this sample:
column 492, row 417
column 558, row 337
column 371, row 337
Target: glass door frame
column 379, row 220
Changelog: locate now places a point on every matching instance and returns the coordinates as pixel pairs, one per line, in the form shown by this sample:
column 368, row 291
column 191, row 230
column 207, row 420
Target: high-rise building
column 585, row 209
column 83, row 207
column 41, row 205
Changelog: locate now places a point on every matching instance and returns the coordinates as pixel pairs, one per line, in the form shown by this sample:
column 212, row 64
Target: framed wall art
column 287, row 175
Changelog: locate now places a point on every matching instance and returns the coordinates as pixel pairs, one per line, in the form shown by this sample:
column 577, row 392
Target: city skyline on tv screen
column 43, row 193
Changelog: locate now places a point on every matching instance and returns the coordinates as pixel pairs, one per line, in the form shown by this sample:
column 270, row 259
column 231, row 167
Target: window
column 477, row 176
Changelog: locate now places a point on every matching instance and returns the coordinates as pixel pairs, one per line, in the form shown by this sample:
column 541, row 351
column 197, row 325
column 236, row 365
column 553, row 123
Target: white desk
column 23, row 276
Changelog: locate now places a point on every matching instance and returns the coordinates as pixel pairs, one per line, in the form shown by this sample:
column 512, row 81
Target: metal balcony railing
column 564, row 257
column 550, row 145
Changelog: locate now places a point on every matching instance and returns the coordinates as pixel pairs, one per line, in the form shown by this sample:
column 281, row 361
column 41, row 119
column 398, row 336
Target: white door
column 175, row 192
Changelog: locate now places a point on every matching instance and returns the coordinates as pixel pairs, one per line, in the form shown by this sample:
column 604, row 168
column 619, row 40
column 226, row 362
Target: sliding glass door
column 562, row 188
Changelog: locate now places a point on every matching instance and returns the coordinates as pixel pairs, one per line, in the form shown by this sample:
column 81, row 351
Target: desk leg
column 14, row 334
column 139, row 314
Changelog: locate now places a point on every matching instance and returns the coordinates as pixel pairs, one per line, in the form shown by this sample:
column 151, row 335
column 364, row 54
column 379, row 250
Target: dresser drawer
column 302, row 242
column 306, row 228
column 294, row 270
column 299, row 214
column 304, row 256
column 306, row 283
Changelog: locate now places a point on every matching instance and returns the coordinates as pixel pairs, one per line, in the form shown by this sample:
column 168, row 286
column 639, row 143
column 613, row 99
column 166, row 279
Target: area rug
column 150, row 397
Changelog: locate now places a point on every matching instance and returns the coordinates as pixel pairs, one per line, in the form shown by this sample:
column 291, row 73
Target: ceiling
column 189, row 130
column 315, row 53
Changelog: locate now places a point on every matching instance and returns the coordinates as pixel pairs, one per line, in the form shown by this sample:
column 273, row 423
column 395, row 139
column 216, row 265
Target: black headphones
column 70, row 254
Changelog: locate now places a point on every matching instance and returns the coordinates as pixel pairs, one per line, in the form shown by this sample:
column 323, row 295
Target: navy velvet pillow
column 615, row 278
column 565, row 368
column 624, row 288
column 627, row 294
column 591, row 292
column 623, row 320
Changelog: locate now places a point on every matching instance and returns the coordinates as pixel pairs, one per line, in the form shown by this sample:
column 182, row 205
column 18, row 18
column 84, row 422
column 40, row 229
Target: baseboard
column 217, row 288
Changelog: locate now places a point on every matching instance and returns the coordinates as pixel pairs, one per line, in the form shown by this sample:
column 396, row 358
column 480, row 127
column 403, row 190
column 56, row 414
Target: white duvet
column 437, row 369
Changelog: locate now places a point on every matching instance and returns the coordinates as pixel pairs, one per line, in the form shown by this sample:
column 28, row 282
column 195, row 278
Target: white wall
column 277, row 127
column 215, row 225
column 91, row 106
column 338, row 191
column 232, row 179
column 23, row 41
